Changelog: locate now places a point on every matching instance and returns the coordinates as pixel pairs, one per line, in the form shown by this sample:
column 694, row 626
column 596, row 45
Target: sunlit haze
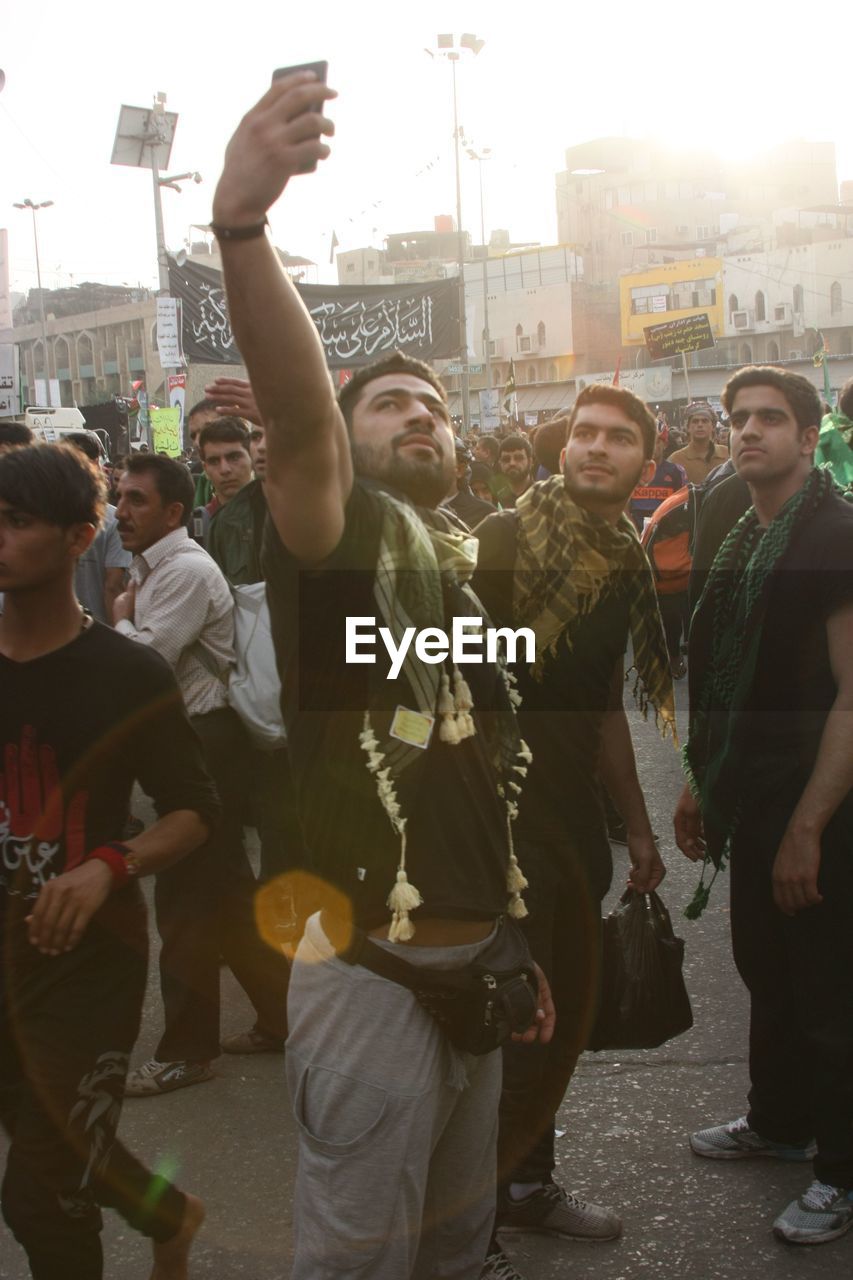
column 546, row 78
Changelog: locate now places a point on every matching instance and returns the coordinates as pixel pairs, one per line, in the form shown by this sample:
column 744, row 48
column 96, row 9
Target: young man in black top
column 398, row 777
column 770, row 764
column 84, row 713
column 567, row 562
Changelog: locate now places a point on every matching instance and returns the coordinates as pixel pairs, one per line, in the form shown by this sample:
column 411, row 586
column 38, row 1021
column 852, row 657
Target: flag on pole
column 332, row 247
column 616, row 374
column 510, row 397
column 820, row 359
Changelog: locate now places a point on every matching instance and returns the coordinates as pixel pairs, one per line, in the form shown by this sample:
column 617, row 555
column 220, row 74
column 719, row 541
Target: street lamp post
column 45, row 204
column 448, row 49
column 480, row 156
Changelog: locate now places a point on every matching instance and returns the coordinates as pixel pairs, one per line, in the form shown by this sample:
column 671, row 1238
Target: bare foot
column 171, row 1258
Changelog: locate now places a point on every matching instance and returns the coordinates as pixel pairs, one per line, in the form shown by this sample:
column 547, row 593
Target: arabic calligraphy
column 214, row 324
column 349, row 330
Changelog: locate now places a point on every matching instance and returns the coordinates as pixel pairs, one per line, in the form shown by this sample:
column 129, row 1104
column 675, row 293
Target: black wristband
column 250, row 232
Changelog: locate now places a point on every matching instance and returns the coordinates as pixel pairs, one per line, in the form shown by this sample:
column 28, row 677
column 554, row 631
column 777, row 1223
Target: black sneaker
column 551, row 1211
column 498, row 1266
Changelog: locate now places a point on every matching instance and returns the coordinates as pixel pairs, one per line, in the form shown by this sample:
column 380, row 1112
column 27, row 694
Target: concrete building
column 621, row 200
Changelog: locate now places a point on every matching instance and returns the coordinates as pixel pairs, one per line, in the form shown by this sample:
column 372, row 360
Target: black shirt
column 560, row 715
column 794, row 688
column 456, row 851
column 78, row 727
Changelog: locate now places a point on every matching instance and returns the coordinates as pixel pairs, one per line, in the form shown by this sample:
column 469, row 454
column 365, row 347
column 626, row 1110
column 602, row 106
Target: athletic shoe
column 551, row 1211
column 498, row 1266
column 823, row 1213
column 253, row 1041
column 162, row 1077
column 736, row 1141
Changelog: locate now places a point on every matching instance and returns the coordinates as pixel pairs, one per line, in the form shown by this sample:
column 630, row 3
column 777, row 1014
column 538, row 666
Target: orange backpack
column 666, row 539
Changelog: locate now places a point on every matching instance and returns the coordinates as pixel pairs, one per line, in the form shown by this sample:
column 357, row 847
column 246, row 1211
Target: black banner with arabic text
column 356, row 323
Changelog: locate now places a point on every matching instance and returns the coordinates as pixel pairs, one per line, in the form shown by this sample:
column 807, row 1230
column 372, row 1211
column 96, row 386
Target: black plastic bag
column 644, row 1001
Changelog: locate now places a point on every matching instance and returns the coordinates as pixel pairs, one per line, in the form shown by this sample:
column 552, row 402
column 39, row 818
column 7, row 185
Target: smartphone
column 320, row 70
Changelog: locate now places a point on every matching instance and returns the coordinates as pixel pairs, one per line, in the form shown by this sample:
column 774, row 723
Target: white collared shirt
column 184, row 606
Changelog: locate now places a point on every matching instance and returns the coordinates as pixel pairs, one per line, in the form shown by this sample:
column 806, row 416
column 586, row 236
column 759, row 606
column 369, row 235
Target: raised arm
column 309, row 469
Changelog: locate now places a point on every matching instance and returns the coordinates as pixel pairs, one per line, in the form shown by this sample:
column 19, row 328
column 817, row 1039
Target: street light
column 45, row 204
column 480, row 156
column 447, row 48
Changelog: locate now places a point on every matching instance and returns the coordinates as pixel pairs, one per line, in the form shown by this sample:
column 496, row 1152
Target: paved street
column 626, row 1119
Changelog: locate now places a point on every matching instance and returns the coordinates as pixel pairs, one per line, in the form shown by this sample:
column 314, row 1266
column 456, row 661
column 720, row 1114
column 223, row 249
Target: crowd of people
column 447, row 817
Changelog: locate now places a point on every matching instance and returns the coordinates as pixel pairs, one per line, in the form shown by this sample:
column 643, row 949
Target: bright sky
column 547, row 77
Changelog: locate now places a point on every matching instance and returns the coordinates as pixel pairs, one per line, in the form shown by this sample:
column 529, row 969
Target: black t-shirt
column 456, row 846
column 794, row 687
column 560, row 715
column 78, row 727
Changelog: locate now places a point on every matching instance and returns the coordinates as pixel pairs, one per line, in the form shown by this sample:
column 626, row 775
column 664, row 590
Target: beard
column 424, row 481
column 617, row 490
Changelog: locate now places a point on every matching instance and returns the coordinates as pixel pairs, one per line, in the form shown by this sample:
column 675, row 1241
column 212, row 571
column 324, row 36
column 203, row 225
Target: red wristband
column 115, row 855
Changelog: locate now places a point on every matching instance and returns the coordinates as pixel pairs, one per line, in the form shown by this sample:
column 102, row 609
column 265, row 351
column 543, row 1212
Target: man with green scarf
column 568, row 564
column 770, row 769
column 403, row 776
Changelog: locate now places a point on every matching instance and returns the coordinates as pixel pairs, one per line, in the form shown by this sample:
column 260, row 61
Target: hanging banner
column 10, row 382
column 166, row 431
column 356, row 323
column 490, row 409
column 169, row 333
column 177, row 388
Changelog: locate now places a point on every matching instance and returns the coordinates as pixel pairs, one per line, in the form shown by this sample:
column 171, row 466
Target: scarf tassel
column 402, row 899
column 516, row 881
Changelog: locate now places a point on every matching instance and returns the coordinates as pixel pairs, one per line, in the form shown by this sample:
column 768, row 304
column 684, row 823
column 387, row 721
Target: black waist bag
column 477, row 1007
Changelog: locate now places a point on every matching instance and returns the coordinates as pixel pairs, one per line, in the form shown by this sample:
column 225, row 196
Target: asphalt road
column 627, row 1117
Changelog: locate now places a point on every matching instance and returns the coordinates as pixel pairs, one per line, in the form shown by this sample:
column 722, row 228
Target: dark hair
column 170, row 477
column 224, row 430
column 481, row 473
column 85, row 443
column 55, row 483
column 801, row 395
column 15, row 433
column 397, row 362
column 549, row 442
column 621, row 398
column 492, row 446
column 202, row 406
column 845, row 399
column 510, row 443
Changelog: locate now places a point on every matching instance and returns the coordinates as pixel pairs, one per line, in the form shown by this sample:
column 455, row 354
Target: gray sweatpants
column 397, row 1129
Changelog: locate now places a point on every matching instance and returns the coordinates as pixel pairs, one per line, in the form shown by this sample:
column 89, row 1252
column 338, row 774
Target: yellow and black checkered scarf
column 566, row 559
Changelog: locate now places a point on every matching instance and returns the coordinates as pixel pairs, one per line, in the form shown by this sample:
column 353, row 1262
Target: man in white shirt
column 179, row 603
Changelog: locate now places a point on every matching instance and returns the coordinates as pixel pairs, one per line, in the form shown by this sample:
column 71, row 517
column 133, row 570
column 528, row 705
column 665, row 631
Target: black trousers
column 799, row 972
column 272, row 810
column 675, row 617
column 205, row 908
column 67, row 1027
column 563, row 929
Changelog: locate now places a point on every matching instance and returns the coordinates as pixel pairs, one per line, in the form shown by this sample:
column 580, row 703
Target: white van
column 50, row 425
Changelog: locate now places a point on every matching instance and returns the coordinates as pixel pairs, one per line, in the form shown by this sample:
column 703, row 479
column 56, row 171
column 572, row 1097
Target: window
column 734, row 305
column 760, row 306
column 651, row 235
column 627, row 238
column 552, row 373
column 540, row 333
column 524, row 344
column 704, row 233
column 531, row 373
column 798, row 298
column 772, row 351
column 835, row 299
column 746, row 353
column 350, row 266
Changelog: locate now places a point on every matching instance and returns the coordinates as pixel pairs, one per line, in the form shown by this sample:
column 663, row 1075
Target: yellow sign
column 166, row 431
